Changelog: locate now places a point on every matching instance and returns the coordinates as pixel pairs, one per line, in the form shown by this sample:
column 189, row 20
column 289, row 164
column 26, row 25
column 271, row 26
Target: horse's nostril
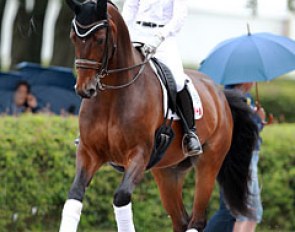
column 91, row 92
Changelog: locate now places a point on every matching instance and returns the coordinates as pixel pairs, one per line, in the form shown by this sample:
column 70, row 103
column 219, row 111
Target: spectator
column 223, row 220
column 23, row 100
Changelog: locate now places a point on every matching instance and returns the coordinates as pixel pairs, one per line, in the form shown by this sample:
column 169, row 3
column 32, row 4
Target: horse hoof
column 191, row 230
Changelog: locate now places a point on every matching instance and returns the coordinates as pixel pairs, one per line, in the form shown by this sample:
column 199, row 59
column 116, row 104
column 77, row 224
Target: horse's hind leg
column 86, row 165
column 207, row 168
column 170, row 183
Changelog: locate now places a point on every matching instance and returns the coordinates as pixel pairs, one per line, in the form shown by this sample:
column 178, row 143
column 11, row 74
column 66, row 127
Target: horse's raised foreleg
column 122, row 199
column 170, row 183
column 207, row 168
column 86, row 165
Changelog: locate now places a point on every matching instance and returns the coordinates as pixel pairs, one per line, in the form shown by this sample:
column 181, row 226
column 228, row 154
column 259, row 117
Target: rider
column 156, row 24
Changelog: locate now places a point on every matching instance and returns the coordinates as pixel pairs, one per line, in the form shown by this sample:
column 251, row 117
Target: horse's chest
column 107, row 136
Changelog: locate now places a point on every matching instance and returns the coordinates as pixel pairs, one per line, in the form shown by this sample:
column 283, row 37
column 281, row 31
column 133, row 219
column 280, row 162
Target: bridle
column 102, row 70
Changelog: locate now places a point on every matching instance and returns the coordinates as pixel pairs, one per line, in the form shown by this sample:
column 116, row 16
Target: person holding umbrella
column 224, row 220
column 237, row 63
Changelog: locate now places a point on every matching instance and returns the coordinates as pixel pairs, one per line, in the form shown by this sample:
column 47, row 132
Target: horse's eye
column 100, row 41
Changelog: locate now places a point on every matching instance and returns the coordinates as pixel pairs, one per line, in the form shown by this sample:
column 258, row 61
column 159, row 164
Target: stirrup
column 195, row 149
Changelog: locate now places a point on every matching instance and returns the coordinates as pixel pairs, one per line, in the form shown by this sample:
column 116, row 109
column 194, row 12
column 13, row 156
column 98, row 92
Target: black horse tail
column 234, row 173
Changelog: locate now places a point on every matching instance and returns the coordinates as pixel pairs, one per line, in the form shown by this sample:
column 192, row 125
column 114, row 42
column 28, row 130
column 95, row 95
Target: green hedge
column 278, row 97
column 37, row 167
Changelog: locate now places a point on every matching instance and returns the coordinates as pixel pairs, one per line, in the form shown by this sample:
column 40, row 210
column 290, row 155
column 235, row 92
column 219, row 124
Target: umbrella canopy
column 53, row 87
column 249, row 58
column 52, row 76
column 57, row 99
column 8, row 81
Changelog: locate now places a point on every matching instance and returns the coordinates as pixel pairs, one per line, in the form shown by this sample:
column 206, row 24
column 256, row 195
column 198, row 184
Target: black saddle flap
column 169, row 82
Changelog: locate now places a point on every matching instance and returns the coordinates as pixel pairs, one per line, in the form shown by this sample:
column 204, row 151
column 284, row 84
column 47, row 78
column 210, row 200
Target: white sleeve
column 130, row 10
column 178, row 18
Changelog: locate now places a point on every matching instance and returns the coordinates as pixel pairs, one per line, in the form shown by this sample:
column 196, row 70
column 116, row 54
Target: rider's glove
column 151, row 46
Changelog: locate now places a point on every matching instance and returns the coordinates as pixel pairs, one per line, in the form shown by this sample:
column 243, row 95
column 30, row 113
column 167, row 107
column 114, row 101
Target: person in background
column 23, row 100
column 223, row 220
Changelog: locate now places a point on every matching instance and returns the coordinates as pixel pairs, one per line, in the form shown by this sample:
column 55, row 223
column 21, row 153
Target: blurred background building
column 38, row 31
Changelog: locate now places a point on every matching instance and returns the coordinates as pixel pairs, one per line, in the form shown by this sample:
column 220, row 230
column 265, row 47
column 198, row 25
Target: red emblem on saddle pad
column 198, row 111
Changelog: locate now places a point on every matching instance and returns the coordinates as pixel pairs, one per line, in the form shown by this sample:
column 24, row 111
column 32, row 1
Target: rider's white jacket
column 170, row 13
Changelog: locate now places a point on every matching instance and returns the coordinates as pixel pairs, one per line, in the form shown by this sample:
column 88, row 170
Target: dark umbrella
column 53, row 87
column 52, row 76
column 57, row 99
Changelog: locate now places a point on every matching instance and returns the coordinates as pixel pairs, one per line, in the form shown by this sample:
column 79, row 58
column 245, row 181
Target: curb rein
column 102, row 67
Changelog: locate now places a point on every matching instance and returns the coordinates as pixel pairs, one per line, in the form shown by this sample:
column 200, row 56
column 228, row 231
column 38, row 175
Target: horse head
column 92, row 39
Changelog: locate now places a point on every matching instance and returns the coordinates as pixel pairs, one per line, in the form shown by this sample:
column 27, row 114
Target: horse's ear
column 102, row 8
column 74, row 5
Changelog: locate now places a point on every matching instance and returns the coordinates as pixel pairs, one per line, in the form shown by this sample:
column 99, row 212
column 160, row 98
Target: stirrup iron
column 185, row 145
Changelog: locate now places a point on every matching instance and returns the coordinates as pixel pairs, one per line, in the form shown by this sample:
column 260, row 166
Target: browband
column 89, row 28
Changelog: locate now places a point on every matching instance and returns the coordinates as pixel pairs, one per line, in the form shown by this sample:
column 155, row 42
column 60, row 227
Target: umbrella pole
column 257, row 102
column 258, row 105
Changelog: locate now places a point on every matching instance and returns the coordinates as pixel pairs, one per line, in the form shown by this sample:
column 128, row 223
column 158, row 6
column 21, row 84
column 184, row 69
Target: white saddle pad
column 198, row 107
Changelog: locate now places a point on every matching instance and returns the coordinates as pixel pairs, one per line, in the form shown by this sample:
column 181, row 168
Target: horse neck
column 124, row 56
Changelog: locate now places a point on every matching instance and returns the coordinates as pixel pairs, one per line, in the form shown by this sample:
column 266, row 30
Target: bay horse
column 120, row 113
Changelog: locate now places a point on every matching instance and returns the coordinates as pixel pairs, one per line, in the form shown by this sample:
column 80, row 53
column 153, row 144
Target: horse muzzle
column 87, row 90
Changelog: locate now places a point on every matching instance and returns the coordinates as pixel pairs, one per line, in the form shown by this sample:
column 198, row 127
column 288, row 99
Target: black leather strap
column 149, row 24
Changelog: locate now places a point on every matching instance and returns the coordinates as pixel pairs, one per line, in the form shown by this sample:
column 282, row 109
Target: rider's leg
column 185, row 110
column 184, row 98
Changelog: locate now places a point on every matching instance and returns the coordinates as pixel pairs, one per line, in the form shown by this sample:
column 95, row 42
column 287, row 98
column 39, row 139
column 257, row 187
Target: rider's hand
column 151, row 46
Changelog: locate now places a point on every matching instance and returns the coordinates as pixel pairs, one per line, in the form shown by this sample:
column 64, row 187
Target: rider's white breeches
column 167, row 53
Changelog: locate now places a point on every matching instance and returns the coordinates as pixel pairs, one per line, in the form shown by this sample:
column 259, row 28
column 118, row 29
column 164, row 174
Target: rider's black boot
column 185, row 110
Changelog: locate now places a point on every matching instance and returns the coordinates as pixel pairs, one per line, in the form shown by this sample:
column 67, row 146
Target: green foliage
column 277, row 167
column 278, row 97
column 36, row 160
column 37, row 166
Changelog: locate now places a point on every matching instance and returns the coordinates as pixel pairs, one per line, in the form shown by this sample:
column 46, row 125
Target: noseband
column 101, row 68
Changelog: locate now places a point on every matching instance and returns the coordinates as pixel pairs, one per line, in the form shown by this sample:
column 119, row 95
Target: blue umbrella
column 250, row 58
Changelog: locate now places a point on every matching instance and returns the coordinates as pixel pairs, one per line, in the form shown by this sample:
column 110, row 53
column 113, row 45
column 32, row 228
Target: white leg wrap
column 71, row 216
column 124, row 218
column 191, row 230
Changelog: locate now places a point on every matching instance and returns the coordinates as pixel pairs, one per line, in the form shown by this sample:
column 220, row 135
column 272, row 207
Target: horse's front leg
column 87, row 163
column 134, row 172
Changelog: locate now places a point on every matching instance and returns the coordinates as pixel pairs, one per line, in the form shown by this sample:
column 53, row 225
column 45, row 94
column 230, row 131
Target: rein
column 102, row 67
